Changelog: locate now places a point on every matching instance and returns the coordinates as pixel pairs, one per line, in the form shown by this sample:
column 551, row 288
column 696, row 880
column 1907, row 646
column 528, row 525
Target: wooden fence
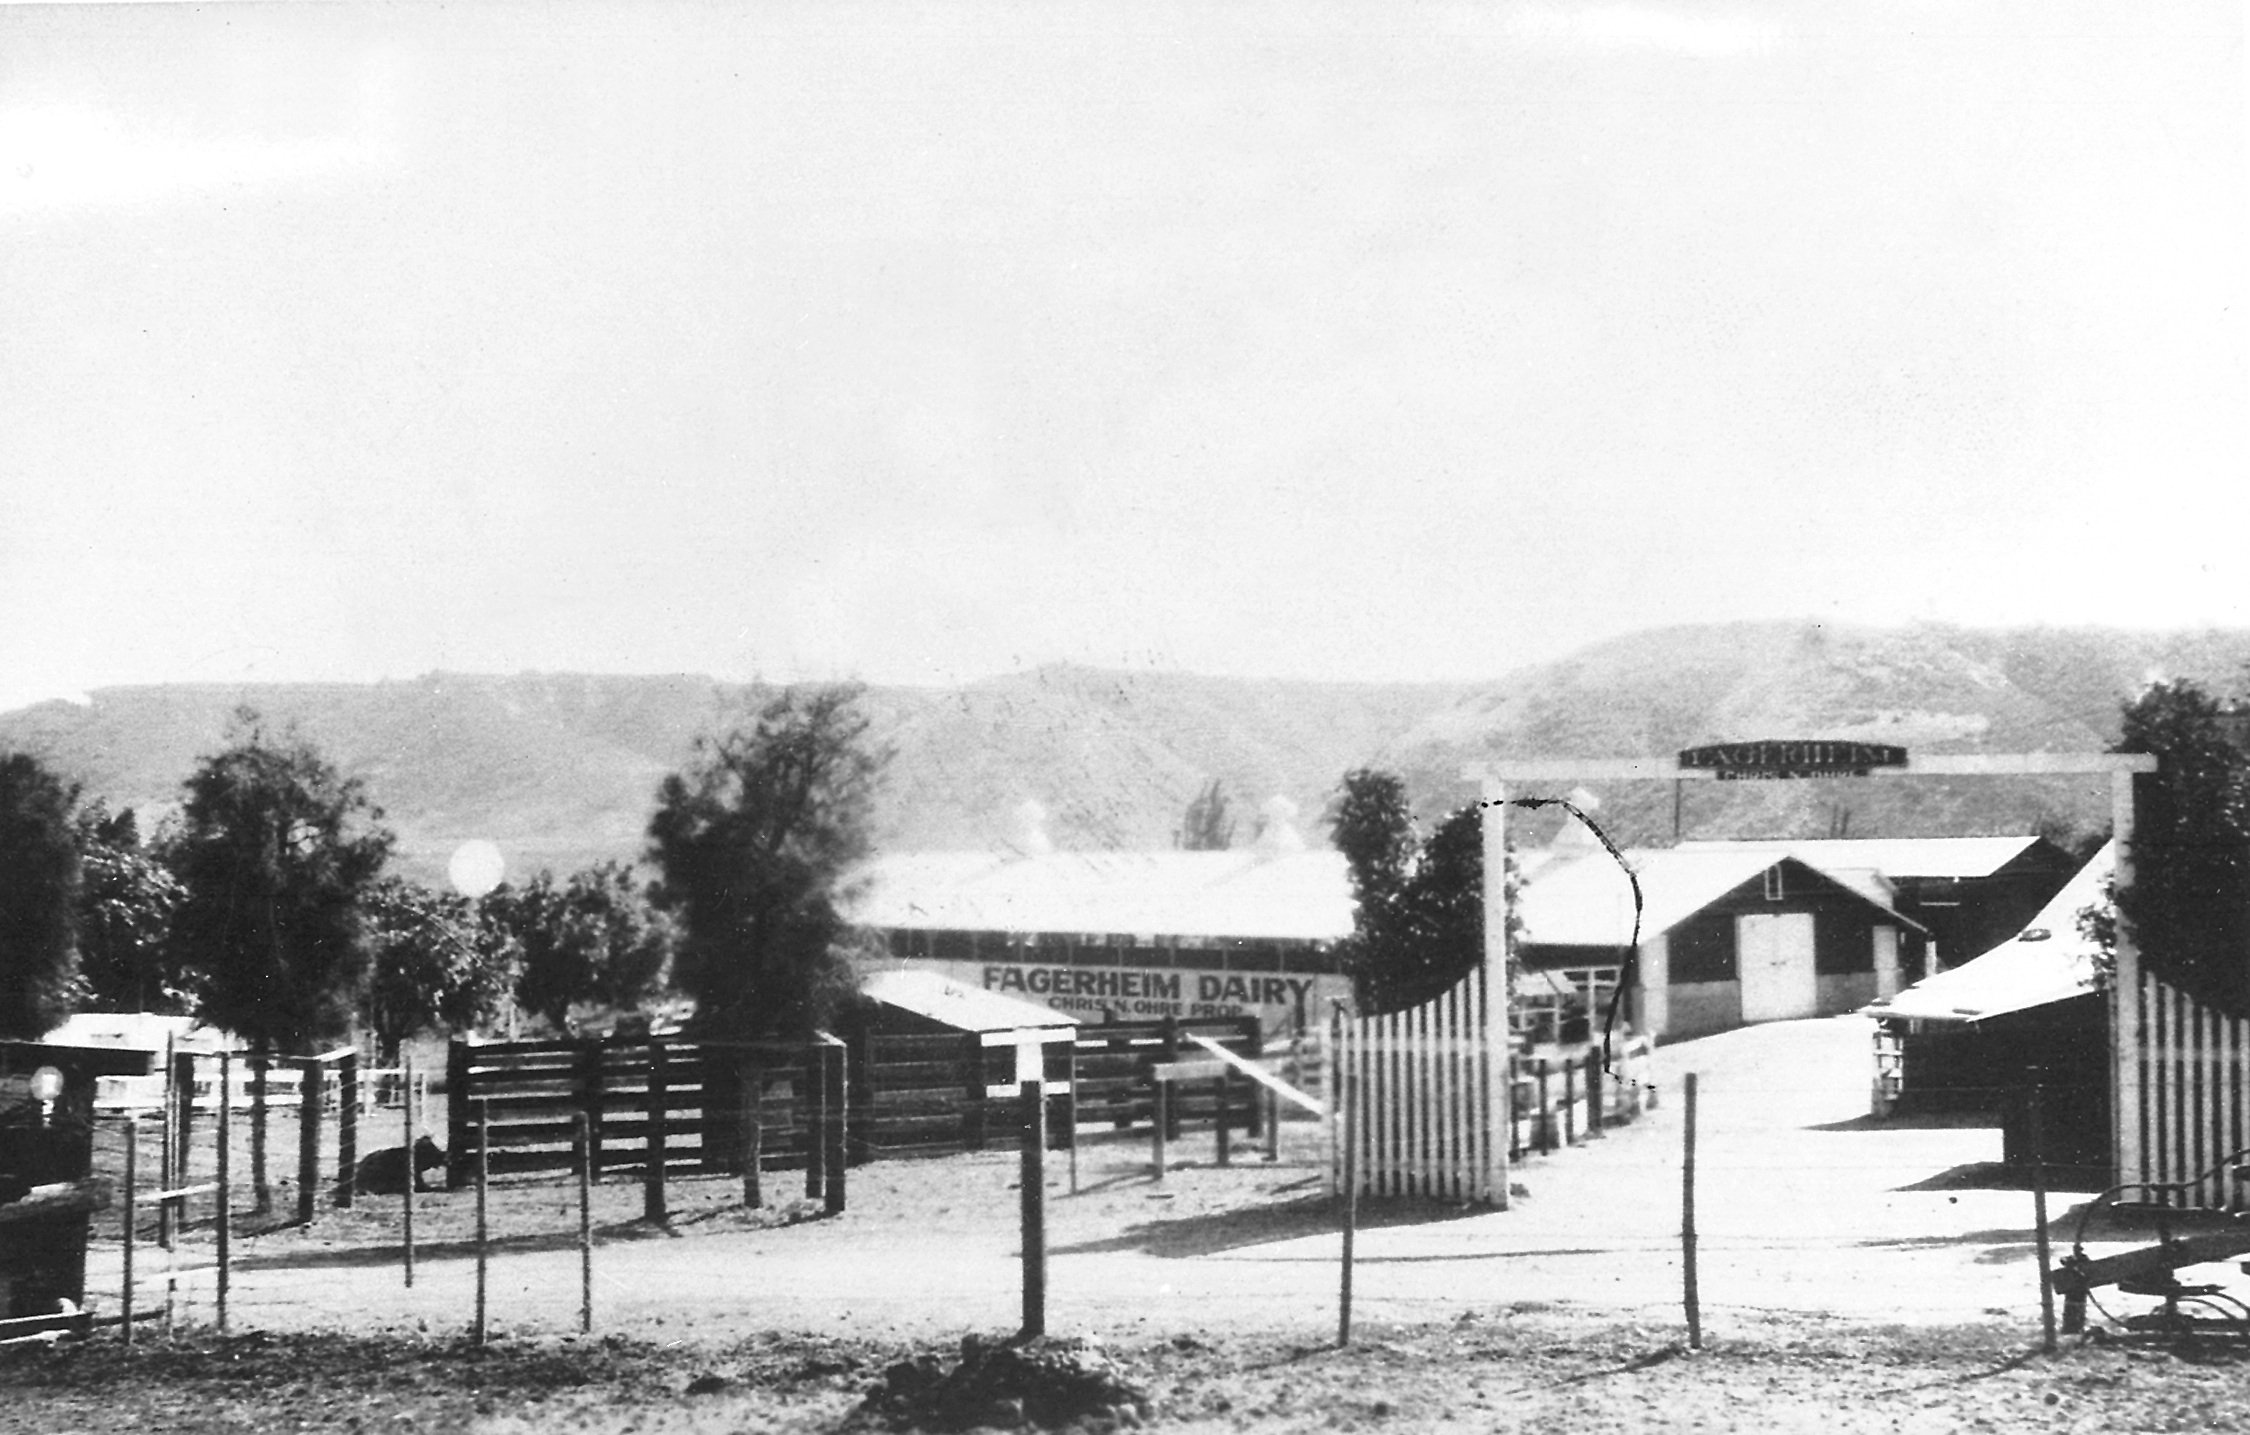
column 1415, row 1095
column 2186, row 1070
column 905, row 1096
column 648, row 1102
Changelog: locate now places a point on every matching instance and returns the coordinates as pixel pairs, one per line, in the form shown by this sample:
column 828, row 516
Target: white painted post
column 1499, row 1001
column 2126, row 1093
column 1886, row 961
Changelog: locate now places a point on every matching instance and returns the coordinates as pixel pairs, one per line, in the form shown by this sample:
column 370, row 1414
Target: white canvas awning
column 2049, row 961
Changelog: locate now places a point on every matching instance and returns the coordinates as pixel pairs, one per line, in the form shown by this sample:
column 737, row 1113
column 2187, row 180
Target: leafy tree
column 755, row 841
column 1206, row 826
column 125, row 908
column 594, row 938
column 1419, row 923
column 436, row 963
column 39, row 884
column 275, row 854
column 2188, row 905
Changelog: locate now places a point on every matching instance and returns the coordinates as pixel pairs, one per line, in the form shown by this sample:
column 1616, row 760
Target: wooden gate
column 1419, row 1098
column 2188, row 1065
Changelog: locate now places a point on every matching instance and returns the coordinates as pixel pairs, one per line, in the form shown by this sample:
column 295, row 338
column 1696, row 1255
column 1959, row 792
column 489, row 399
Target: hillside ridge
column 560, row 769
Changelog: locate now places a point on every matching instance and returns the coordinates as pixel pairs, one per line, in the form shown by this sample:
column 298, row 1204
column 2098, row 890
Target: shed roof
column 2049, row 961
column 139, row 1031
column 964, row 1008
column 1303, row 896
column 1588, row 901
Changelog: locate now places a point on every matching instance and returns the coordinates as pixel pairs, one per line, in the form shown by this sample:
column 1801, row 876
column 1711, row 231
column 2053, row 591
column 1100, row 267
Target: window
column 1773, row 883
column 1702, row 950
column 1842, row 943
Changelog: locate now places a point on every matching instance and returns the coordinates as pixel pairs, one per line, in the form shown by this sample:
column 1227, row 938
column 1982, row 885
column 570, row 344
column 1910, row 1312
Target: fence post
column 815, row 1087
column 590, row 1081
column 972, row 1107
column 1544, row 1132
column 347, row 1129
column 1691, row 1298
column 484, row 1172
column 836, row 1089
column 2039, row 1212
column 1160, row 1118
column 309, row 1104
column 652, row 1168
column 132, row 1170
column 413, row 1176
column 226, row 1173
column 585, row 1225
column 457, row 1099
column 183, row 1133
column 1171, row 1054
column 261, row 1112
column 1596, row 1090
column 1225, row 1095
column 1070, row 1125
column 1034, row 1209
column 752, row 1123
column 1569, row 1103
column 1347, row 1127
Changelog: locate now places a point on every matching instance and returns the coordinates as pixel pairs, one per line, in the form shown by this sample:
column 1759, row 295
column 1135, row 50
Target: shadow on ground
column 1218, row 1231
column 1916, row 1121
column 1996, row 1176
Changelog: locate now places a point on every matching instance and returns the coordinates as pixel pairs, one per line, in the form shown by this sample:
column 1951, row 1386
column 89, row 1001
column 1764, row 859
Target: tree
column 1419, row 914
column 125, row 908
column 2188, row 905
column 595, row 938
column 435, row 963
column 1206, row 827
column 276, row 855
column 39, row 882
column 754, row 842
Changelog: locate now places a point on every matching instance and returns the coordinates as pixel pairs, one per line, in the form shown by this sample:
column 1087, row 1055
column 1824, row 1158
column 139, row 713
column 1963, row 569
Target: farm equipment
column 2186, row 1235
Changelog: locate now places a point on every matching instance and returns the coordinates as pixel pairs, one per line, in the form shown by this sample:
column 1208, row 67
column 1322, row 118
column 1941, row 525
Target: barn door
column 1776, row 957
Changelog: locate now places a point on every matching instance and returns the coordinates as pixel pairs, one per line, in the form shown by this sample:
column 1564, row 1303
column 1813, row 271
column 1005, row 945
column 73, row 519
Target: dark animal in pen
column 385, row 1173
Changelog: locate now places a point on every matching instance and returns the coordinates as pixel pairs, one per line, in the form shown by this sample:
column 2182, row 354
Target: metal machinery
column 2186, row 1235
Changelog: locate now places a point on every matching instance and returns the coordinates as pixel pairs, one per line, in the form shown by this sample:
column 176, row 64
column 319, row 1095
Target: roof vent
column 1277, row 829
column 1029, row 836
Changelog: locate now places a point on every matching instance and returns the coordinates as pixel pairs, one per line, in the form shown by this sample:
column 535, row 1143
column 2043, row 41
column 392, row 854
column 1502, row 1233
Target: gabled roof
column 2049, row 961
column 1891, row 857
column 1294, row 896
column 964, row 1008
column 1588, row 901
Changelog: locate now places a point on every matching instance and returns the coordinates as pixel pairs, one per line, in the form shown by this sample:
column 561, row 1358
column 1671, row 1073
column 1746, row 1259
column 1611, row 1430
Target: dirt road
column 1804, row 1206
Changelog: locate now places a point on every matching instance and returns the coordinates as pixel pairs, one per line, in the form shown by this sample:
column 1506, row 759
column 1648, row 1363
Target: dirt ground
column 1855, row 1275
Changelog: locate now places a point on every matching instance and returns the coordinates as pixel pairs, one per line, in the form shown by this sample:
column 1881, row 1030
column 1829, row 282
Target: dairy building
column 1126, row 936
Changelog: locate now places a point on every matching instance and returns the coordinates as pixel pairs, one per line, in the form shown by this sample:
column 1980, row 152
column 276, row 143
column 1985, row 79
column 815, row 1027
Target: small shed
column 2029, row 1012
column 937, row 1062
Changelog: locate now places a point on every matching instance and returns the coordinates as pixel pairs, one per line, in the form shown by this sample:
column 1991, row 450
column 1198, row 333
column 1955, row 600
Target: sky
column 923, row 342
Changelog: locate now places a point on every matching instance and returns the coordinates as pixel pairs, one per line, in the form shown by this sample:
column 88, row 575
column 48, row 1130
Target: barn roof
column 1588, row 901
column 964, row 1008
column 2049, row 961
column 1891, row 857
column 1302, row 896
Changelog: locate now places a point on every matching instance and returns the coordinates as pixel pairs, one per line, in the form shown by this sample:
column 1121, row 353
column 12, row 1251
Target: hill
column 560, row 769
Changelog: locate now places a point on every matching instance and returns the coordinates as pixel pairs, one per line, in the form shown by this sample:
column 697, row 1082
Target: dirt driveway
column 1804, row 1206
